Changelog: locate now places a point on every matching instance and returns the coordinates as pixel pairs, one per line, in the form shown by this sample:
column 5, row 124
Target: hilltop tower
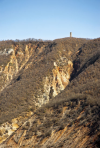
column 70, row 34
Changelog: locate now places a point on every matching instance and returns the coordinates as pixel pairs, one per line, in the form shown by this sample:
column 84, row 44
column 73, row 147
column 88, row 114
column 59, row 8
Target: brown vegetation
column 18, row 96
column 72, row 118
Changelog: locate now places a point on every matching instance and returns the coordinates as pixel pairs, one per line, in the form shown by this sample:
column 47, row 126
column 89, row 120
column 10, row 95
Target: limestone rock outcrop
column 6, row 129
column 55, row 83
column 18, row 59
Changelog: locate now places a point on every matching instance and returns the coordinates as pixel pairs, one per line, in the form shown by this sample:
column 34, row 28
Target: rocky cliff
column 17, row 61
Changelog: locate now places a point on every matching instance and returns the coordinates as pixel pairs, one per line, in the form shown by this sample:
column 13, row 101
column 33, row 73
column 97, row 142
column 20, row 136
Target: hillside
column 50, row 93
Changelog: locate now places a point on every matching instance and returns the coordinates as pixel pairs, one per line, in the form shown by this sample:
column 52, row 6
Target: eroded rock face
column 6, row 129
column 61, row 77
column 6, row 52
column 56, row 82
column 17, row 60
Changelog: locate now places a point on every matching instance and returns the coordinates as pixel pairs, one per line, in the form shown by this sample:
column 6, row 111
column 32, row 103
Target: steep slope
column 34, row 77
column 65, row 72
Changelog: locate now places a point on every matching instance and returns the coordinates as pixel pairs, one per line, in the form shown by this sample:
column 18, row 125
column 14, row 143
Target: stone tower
column 70, row 34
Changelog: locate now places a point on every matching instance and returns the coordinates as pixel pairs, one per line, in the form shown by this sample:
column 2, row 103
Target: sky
column 49, row 19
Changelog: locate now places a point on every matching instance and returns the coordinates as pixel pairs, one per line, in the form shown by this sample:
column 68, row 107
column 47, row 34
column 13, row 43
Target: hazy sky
column 49, row 19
